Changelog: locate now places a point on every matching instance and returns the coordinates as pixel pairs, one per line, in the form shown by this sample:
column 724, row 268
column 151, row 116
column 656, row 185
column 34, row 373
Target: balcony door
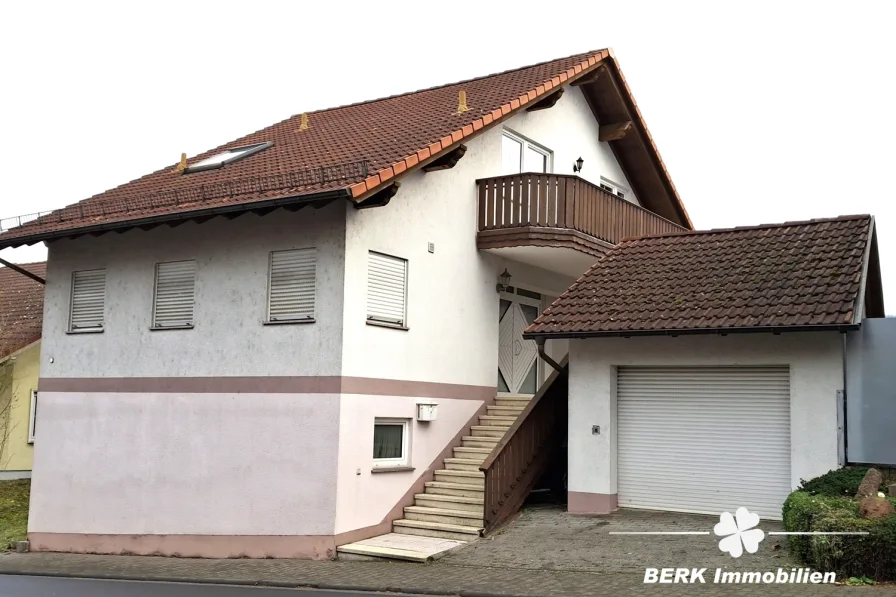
column 518, row 371
column 521, row 155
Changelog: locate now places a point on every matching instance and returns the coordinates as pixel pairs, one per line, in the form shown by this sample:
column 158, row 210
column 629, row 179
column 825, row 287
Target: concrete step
column 494, row 421
column 489, row 430
column 450, row 502
column 515, row 402
column 462, row 464
column 395, row 546
column 455, row 489
column 480, row 441
column 436, row 529
column 363, row 553
column 444, row 516
column 474, row 453
column 476, row 478
column 504, row 411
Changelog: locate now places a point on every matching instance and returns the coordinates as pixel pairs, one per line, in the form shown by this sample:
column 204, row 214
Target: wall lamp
column 577, row 167
column 503, row 281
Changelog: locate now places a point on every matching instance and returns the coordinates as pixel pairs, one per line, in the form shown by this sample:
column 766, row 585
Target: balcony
column 558, row 222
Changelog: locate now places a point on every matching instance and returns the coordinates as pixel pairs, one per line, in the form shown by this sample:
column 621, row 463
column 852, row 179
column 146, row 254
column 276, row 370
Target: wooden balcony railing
column 523, row 454
column 563, row 201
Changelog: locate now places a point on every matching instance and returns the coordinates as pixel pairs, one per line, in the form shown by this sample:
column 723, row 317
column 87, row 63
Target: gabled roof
column 21, row 308
column 355, row 151
column 799, row 275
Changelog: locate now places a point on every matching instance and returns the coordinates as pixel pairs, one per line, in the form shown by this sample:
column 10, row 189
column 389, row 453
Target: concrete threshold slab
column 411, row 548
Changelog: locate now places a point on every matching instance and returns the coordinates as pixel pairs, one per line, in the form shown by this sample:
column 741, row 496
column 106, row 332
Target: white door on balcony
column 518, row 371
column 520, row 155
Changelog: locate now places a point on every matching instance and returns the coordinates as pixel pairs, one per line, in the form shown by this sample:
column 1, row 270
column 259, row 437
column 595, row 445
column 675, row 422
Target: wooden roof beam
column 589, row 78
column 447, row 161
column 547, row 102
column 380, row 198
column 614, row 132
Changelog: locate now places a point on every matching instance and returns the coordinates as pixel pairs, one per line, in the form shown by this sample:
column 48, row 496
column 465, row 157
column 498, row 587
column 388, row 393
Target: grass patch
column 14, row 497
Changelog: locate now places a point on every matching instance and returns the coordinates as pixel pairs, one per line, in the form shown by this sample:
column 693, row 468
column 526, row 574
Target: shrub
column 872, row 556
column 842, row 482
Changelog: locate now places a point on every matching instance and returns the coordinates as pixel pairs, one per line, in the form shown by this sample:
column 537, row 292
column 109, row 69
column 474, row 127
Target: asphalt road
column 38, row 586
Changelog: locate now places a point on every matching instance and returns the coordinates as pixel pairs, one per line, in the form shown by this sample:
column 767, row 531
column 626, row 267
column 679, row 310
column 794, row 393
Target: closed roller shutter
column 704, row 439
column 291, row 293
column 174, row 294
column 386, row 289
column 88, row 300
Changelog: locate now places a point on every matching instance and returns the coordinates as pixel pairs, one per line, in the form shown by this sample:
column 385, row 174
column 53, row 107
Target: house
column 21, row 315
column 707, row 369
column 312, row 336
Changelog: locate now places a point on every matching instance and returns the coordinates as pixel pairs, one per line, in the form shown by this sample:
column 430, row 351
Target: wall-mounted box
column 426, row 411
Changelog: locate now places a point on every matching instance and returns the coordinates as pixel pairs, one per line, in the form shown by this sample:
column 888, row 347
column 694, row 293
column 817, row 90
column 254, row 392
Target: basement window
column 227, row 156
column 390, row 443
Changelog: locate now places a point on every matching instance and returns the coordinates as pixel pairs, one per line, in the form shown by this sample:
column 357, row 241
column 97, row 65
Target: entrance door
column 517, row 358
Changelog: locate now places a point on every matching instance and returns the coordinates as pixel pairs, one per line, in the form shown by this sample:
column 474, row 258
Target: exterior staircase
column 452, row 504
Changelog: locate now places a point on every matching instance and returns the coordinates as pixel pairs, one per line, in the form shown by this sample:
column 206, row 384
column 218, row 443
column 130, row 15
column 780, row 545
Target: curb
column 242, row 582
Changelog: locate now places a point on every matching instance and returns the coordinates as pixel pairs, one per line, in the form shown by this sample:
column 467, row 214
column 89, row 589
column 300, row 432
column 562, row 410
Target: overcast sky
column 762, row 112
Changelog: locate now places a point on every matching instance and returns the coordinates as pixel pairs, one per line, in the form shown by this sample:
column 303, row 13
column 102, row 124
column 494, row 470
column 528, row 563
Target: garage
column 704, row 439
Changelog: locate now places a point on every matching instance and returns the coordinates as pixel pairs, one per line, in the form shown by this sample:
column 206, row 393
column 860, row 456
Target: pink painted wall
column 365, row 498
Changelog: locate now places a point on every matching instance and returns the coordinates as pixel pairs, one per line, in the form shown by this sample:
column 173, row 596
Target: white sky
column 763, row 112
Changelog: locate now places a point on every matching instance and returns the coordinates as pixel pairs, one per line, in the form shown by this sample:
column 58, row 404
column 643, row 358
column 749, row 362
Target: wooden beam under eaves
column 547, row 102
column 614, row 132
column 380, row 198
column 447, row 161
column 589, row 78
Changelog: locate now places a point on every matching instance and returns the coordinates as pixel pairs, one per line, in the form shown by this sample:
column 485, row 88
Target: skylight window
column 227, row 156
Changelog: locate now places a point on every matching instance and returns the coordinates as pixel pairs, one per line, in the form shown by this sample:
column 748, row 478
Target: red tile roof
column 21, row 308
column 788, row 275
column 349, row 151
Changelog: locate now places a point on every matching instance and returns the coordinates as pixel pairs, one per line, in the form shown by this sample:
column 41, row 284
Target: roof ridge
column 844, row 218
column 434, row 87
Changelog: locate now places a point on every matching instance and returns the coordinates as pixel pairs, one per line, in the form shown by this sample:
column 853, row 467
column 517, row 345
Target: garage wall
column 816, row 373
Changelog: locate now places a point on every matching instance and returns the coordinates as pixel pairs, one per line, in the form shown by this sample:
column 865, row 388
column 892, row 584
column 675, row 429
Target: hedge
column 842, row 482
column 871, row 556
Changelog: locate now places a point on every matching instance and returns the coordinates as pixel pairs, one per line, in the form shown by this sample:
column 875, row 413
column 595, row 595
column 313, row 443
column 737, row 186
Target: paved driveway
column 547, row 538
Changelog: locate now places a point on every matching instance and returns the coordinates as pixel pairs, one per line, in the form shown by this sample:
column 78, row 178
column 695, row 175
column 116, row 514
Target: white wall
column 816, row 373
column 570, row 130
column 231, row 296
column 204, row 464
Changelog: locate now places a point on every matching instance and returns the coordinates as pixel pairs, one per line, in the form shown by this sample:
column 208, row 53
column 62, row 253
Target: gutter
column 22, row 271
column 540, row 336
column 544, row 355
column 161, row 219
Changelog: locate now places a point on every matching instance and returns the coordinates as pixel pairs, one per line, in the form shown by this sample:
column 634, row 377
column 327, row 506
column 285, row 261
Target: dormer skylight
column 227, row 156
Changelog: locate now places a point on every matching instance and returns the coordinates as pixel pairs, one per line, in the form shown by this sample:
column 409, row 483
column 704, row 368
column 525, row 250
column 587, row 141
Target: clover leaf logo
column 739, row 532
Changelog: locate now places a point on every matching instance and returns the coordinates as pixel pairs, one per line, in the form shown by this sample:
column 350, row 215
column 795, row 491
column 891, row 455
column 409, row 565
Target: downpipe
column 544, row 355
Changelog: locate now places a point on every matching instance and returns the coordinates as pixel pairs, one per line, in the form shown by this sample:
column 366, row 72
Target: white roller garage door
column 704, row 439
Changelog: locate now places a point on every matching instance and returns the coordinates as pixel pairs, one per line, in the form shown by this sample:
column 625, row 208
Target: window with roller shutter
column 174, row 297
column 291, row 285
column 387, row 289
column 88, row 301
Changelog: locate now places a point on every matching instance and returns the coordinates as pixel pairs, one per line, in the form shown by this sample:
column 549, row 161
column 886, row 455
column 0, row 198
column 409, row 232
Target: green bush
column 872, row 556
column 843, row 482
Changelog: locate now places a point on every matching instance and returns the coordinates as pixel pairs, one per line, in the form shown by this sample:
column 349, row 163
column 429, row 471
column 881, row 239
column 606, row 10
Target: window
column 613, row 188
column 291, row 285
column 387, row 290
column 519, row 155
column 88, row 301
column 227, row 156
column 390, row 443
column 32, row 417
column 174, row 295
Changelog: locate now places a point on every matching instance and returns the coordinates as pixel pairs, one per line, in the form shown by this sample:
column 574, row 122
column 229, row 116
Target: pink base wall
column 189, row 546
column 591, row 503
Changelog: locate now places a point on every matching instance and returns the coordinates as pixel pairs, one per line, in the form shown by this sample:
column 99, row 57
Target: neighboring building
column 21, row 316
column 236, row 347
column 713, row 364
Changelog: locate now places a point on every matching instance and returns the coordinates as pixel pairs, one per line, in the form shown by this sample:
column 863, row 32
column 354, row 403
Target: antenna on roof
column 462, row 102
column 182, row 165
column 303, row 122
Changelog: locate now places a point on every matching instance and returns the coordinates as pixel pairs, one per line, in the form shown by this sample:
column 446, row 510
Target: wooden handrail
column 536, row 199
column 522, row 454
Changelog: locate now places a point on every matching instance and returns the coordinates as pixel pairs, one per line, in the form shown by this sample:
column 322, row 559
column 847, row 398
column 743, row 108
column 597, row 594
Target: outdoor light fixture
column 577, row 167
column 504, row 281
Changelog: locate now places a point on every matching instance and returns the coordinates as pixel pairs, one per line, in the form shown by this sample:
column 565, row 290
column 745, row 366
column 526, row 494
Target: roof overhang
column 694, row 332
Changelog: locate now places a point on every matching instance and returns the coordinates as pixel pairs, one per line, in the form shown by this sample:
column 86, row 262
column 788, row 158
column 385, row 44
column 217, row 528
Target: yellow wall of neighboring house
column 19, row 378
